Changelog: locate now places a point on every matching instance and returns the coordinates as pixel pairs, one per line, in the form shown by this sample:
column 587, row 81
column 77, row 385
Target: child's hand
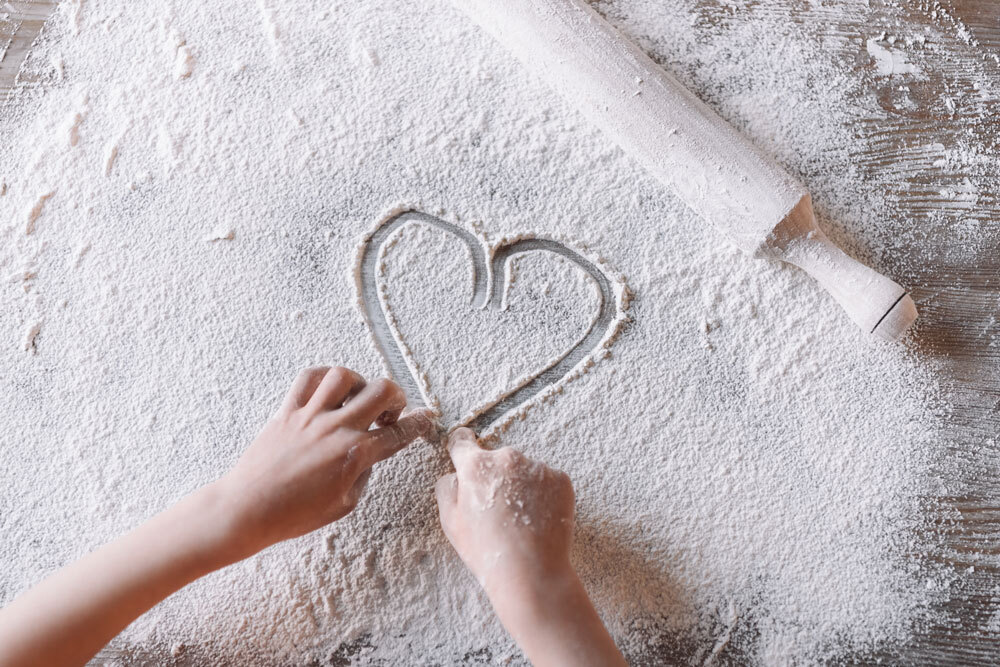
column 510, row 518
column 511, row 521
column 309, row 465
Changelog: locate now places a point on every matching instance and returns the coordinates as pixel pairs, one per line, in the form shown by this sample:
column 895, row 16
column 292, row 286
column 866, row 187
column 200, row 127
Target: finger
column 463, row 449
column 303, row 387
column 357, row 490
column 376, row 398
column 388, row 418
column 446, row 493
column 337, row 386
column 383, row 442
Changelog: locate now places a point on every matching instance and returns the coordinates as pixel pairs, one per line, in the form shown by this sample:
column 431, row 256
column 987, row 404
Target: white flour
column 181, row 202
column 428, row 286
column 889, row 61
column 527, row 313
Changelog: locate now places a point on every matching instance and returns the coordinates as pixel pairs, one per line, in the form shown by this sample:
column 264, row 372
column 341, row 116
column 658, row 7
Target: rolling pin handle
column 875, row 303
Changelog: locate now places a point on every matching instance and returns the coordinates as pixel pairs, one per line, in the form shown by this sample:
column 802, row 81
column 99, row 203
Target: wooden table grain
column 954, row 275
column 20, row 23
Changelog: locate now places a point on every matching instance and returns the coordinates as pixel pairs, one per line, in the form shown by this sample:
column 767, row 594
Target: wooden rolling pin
column 713, row 168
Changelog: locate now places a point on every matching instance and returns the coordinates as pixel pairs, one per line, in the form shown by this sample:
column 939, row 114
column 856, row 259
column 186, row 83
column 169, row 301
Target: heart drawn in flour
column 568, row 310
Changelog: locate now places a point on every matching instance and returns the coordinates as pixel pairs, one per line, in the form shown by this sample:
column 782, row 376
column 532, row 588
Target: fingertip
column 420, row 424
column 426, row 422
column 388, row 440
column 380, row 398
column 463, row 447
column 461, row 435
column 388, row 418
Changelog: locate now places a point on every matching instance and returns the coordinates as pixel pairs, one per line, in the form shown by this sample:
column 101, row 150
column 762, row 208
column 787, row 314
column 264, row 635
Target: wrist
column 217, row 542
column 522, row 594
column 555, row 623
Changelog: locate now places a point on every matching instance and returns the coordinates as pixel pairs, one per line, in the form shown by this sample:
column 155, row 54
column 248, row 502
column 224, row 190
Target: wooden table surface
column 955, row 279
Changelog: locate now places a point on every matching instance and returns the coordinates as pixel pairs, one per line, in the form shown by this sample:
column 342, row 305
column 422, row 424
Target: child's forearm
column 307, row 468
column 554, row 623
column 71, row 615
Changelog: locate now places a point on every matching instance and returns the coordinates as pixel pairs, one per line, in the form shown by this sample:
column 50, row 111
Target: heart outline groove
column 489, row 263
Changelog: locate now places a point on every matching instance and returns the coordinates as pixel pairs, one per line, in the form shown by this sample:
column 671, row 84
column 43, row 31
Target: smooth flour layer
column 180, row 202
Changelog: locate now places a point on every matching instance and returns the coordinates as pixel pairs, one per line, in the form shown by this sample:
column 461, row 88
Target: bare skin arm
column 511, row 521
column 307, row 468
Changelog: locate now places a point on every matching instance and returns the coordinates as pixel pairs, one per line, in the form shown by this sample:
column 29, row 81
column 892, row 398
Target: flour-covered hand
column 310, row 463
column 510, row 519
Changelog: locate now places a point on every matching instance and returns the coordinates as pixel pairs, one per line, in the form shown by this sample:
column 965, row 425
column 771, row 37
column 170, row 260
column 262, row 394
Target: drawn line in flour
column 489, row 289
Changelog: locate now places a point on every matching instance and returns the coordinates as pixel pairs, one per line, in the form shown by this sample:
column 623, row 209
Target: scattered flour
column 889, row 61
column 222, row 234
column 185, row 62
column 751, row 471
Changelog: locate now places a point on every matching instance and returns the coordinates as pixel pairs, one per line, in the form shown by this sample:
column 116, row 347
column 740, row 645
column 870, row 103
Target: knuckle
column 304, row 376
column 385, row 388
column 340, row 374
column 508, row 458
column 409, row 429
column 420, row 421
column 344, row 371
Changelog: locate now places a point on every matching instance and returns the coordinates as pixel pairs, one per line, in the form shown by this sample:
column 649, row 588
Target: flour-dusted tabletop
column 954, row 272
